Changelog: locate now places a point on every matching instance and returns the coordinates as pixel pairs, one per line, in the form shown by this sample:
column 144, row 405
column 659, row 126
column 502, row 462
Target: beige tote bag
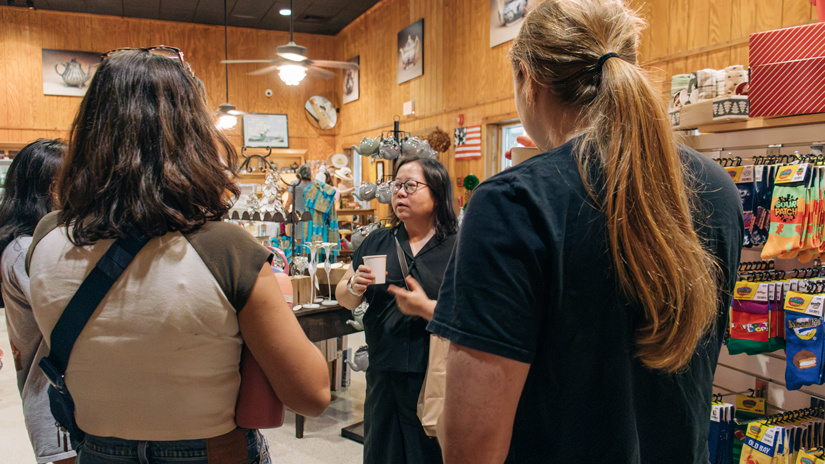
column 431, row 398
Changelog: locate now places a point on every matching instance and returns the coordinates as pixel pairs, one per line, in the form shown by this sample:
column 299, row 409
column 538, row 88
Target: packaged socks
column 788, row 208
column 804, row 339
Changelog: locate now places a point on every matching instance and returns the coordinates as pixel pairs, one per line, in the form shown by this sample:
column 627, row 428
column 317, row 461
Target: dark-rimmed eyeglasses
column 410, row 186
column 160, row 50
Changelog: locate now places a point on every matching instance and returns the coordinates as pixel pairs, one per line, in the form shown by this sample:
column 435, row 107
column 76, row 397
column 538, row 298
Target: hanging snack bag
column 804, row 340
column 761, row 443
column 787, row 213
column 749, row 314
column 806, row 457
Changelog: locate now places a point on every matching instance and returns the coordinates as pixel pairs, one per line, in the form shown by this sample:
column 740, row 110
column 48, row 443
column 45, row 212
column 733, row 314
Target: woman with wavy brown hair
column 155, row 372
column 586, row 301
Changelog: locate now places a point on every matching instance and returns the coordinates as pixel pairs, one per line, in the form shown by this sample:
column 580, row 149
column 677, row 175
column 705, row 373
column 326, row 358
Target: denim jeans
column 110, row 450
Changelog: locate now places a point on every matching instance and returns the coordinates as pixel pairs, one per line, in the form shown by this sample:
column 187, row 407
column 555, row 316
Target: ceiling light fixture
column 228, row 116
column 292, row 51
column 285, row 12
column 292, row 74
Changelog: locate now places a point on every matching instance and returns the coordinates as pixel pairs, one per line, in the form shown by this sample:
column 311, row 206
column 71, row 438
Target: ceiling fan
column 292, row 64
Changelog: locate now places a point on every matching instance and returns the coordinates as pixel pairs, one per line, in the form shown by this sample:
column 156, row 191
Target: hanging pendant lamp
column 292, row 73
column 227, row 114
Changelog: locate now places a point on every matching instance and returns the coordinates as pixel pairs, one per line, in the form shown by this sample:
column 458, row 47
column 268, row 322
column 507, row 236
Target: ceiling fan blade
column 335, row 64
column 251, row 61
column 265, row 70
column 313, row 71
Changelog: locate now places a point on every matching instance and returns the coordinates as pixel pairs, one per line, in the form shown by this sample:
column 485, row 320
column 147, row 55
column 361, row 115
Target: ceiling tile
column 325, row 17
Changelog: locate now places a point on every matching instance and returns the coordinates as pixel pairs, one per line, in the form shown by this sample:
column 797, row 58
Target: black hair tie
column 603, row 59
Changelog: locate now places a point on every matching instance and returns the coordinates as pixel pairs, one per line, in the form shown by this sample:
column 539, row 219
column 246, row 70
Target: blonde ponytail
column 660, row 262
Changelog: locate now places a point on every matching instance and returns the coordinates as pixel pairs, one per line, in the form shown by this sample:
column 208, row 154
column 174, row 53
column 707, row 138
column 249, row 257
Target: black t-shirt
column 531, row 280
column 398, row 342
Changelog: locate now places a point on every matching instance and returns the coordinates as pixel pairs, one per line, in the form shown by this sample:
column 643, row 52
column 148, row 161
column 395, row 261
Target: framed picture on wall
column 379, row 172
column 351, row 78
column 506, row 17
column 68, row 72
column 265, row 130
column 411, row 51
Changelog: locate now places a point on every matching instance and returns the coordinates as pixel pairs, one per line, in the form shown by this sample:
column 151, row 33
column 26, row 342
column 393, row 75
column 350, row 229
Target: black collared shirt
column 398, row 342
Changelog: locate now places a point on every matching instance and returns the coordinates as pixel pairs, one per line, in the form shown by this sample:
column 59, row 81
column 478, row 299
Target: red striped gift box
column 792, row 87
column 788, row 44
column 787, row 71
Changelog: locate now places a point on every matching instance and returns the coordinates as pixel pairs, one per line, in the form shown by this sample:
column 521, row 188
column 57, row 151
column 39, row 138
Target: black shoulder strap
column 402, row 260
column 84, row 302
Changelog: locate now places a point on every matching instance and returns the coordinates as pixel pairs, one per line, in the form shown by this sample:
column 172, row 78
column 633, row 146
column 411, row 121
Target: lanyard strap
column 402, row 260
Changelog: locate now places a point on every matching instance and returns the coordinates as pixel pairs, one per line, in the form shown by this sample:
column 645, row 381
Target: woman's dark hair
column 144, row 152
column 27, row 193
column 441, row 189
column 304, row 172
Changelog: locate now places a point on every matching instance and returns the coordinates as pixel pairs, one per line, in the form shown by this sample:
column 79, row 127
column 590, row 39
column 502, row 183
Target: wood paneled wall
column 685, row 36
column 28, row 114
column 462, row 74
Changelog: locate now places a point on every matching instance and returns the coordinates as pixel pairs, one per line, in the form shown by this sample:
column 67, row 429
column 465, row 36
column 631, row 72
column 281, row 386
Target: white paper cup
column 519, row 154
column 378, row 264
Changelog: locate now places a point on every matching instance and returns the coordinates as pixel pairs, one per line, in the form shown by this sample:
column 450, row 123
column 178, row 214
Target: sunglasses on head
column 160, row 50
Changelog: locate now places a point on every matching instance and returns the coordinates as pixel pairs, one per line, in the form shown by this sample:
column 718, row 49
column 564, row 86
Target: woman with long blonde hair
column 586, row 299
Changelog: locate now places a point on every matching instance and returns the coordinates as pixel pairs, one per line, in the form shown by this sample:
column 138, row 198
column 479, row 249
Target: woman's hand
column 413, row 302
column 522, row 139
column 362, row 279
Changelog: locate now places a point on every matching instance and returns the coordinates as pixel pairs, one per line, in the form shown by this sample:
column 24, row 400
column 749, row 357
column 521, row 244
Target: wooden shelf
column 761, row 123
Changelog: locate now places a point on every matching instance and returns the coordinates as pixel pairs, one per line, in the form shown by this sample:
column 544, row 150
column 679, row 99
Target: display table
column 322, row 324
column 326, row 322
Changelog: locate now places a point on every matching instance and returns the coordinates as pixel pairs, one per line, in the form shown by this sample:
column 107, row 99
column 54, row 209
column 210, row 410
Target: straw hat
column 344, row 174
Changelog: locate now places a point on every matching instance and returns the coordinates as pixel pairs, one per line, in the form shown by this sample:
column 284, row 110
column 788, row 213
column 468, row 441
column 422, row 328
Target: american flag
column 468, row 143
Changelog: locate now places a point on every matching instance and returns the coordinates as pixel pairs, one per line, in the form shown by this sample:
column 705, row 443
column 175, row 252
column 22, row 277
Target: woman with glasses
column 423, row 228
column 155, row 372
